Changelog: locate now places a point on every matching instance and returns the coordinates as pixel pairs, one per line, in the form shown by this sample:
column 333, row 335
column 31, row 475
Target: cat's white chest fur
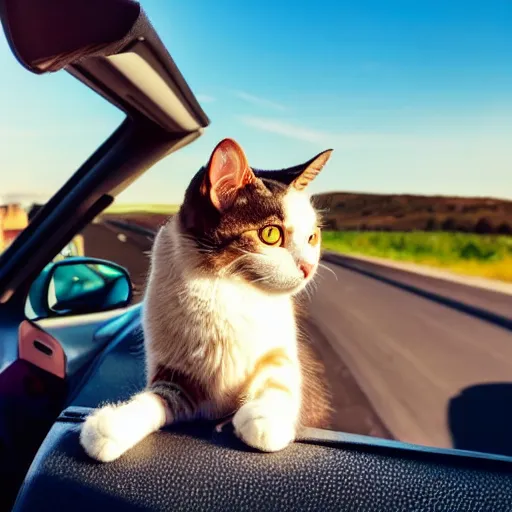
column 251, row 322
column 224, row 326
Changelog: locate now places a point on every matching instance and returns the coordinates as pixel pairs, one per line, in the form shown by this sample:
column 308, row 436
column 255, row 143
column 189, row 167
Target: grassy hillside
column 485, row 256
column 381, row 212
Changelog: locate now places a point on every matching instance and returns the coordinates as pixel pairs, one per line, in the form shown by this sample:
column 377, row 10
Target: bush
column 432, row 224
column 504, row 229
column 448, row 224
column 483, row 226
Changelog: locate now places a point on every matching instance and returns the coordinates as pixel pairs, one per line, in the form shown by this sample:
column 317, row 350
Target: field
column 486, row 256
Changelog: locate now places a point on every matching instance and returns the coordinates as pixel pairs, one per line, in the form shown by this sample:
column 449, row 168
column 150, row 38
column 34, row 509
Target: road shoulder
column 489, row 305
column 436, row 273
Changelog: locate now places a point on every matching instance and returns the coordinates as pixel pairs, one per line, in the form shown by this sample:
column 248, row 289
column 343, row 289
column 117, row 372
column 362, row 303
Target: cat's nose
column 305, row 268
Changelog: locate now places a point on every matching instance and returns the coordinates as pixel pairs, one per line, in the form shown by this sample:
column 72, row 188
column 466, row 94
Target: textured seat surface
column 195, row 468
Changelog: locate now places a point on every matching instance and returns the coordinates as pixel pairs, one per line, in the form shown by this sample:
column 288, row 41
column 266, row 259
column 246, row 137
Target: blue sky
column 413, row 97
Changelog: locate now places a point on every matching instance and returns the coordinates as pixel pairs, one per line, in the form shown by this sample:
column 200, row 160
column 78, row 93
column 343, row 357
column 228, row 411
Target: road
column 412, row 356
column 397, row 361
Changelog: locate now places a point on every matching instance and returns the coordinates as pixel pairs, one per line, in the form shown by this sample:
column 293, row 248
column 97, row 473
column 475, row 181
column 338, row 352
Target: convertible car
column 71, row 337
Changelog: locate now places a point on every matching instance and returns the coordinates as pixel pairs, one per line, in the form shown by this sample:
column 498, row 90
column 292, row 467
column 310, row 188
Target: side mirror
column 77, row 286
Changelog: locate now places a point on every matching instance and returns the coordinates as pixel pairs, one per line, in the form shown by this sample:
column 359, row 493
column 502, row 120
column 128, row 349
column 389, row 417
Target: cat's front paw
column 264, row 427
column 102, row 435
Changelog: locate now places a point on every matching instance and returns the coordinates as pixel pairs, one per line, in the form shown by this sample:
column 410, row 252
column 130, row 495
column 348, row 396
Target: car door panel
column 84, row 337
column 119, row 370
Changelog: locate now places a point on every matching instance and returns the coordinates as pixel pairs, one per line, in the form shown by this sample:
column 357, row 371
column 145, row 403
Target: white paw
column 102, row 435
column 264, row 427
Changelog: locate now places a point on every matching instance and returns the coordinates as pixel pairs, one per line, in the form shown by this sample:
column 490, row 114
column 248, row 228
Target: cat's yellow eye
column 314, row 237
column 270, row 235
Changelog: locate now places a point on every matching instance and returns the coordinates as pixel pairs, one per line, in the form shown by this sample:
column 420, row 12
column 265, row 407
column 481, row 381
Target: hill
column 344, row 211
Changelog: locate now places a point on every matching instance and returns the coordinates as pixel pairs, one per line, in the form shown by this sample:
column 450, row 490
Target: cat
column 221, row 311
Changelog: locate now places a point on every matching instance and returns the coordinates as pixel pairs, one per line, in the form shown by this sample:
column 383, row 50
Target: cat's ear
column 228, row 171
column 311, row 170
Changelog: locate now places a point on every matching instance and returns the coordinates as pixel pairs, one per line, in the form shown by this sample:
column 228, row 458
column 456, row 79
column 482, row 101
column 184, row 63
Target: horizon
column 414, row 99
column 27, row 204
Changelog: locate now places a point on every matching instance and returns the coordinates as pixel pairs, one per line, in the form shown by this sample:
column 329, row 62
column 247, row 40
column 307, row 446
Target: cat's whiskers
column 204, row 246
column 227, row 269
column 251, row 253
column 319, row 276
column 329, row 269
column 311, row 288
column 305, row 292
column 260, row 279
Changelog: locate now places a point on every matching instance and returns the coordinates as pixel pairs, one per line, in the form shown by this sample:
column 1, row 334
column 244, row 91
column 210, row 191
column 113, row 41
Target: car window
column 49, row 125
column 411, row 308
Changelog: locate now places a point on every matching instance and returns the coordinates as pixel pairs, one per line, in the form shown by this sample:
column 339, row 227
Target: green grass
column 164, row 209
column 485, row 256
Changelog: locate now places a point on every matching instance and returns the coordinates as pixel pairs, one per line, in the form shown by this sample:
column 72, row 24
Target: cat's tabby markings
column 220, row 314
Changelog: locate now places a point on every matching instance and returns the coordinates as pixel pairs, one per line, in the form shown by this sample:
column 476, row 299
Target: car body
column 93, row 349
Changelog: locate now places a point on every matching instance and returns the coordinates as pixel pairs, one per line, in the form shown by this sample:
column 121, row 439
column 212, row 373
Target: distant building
column 13, row 220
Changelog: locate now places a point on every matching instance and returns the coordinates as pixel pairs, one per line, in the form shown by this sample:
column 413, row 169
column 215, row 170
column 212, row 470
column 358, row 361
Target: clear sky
column 414, row 96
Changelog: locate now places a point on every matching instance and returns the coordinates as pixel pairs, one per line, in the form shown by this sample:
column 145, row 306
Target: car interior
column 67, row 348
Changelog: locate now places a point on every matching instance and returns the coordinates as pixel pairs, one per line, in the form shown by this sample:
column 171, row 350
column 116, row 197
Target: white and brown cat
column 220, row 314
